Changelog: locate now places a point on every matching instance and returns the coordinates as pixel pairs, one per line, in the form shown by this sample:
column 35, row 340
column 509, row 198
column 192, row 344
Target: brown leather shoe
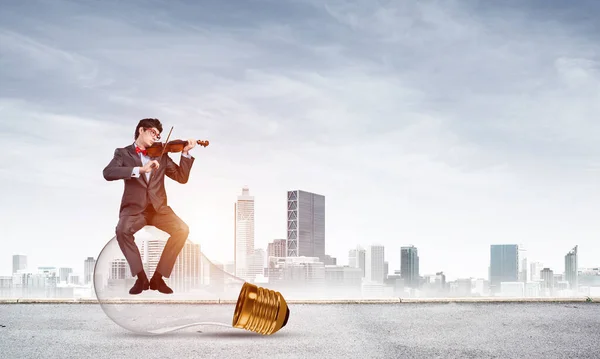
column 157, row 283
column 139, row 286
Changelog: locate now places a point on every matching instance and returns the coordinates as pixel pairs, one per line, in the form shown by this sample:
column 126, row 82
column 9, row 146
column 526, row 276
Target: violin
column 158, row 148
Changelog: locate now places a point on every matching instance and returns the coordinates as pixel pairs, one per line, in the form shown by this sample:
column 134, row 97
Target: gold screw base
column 260, row 310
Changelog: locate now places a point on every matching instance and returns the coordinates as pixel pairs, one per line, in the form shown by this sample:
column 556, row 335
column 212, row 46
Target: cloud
column 43, row 64
column 500, row 91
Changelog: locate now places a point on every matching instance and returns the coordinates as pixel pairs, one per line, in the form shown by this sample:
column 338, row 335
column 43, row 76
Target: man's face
column 149, row 135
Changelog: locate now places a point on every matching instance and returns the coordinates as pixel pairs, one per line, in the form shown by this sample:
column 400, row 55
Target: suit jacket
column 139, row 191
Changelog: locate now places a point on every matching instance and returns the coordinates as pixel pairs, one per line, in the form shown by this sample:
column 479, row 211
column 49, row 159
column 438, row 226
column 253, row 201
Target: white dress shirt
column 145, row 159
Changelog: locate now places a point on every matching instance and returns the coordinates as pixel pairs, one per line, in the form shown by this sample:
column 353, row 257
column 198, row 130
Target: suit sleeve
column 179, row 173
column 115, row 170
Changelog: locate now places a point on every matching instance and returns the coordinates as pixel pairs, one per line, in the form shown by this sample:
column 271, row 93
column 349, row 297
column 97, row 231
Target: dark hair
column 148, row 123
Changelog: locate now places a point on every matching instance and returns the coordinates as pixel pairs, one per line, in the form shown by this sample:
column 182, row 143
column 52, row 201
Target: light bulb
column 204, row 294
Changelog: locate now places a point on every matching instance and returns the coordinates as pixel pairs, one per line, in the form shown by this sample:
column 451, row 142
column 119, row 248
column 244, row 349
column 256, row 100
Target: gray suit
column 144, row 202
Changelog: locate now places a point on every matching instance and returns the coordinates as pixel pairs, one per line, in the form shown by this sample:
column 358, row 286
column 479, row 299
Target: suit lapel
column 138, row 161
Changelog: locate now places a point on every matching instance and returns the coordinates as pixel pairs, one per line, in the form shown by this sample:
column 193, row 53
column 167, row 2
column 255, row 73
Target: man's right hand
column 149, row 166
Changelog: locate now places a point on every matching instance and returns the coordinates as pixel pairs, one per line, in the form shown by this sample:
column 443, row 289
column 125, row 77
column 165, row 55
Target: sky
column 448, row 125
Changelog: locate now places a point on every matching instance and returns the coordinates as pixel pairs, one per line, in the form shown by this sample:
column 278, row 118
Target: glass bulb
column 204, row 294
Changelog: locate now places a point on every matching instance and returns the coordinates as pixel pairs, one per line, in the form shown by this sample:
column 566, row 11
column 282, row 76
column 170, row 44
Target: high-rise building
column 187, row 270
column 375, row 264
column 277, row 248
column 244, row 233
column 19, row 262
column 409, row 266
column 386, row 269
column 305, row 224
column 329, row 260
column 88, row 269
column 296, row 271
column 571, row 274
column 523, row 267
column 547, row 276
column 73, row 279
column 356, row 259
column 535, row 269
column 151, row 250
column 256, row 264
column 63, row 274
column 119, row 269
column 440, row 280
column 504, row 265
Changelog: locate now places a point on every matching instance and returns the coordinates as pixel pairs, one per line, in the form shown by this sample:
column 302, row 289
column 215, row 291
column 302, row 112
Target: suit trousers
column 164, row 219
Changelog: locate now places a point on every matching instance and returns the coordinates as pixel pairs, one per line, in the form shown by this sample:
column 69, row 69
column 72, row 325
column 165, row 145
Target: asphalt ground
column 380, row 330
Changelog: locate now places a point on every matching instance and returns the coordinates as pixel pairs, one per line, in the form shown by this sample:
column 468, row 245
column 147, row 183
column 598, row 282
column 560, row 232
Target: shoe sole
column 146, row 287
column 152, row 287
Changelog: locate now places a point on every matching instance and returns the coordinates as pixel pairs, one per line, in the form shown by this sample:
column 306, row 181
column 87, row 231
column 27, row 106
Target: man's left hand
column 191, row 144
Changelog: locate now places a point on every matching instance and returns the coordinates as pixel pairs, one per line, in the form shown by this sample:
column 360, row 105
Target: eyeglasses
column 154, row 133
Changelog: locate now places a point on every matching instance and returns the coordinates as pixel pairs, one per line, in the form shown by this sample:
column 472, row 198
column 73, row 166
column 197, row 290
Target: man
column 144, row 202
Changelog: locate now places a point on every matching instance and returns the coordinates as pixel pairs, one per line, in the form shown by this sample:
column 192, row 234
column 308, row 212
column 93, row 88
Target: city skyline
column 311, row 276
column 248, row 215
column 247, row 227
column 341, row 260
column 438, row 124
column 507, row 263
column 297, row 266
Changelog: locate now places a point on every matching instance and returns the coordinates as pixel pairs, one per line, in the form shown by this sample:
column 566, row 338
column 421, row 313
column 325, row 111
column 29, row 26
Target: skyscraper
column 88, row 269
column 409, row 266
column 375, row 264
column 306, row 224
column 547, row 276
column 151, row 249
column 504, row 265
column 63, row 274
column 571, row 264
column 19, row 262
column 535, row 269
column 244, row 233
column 523, row 267
column 356, row 259
column 187, row 270
column 256, row 264
column 277, row 248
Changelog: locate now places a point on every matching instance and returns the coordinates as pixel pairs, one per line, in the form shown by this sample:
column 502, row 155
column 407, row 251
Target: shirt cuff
column 186, row 155
column 135, row 172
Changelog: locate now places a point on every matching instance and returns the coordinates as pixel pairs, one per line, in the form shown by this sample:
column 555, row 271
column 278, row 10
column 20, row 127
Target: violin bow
column 165, row 145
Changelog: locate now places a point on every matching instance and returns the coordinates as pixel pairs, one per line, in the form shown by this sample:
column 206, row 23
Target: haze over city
column 446, row 125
